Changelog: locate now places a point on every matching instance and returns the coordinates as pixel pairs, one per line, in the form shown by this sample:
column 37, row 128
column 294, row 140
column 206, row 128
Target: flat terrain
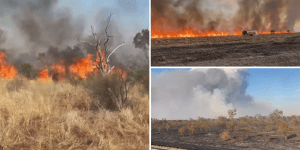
column 243, row 134
column 261, row 50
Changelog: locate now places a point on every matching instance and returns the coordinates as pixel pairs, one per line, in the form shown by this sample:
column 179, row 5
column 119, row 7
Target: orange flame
column 60, row 69
column 83, row 67
column 191, row 33
column 43, row 76
column 6, row 71
column 121, row 72
column 101, row 56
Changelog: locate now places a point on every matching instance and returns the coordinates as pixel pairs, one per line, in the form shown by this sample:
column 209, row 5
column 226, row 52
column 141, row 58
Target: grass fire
column 65, row 85
column 213, row 33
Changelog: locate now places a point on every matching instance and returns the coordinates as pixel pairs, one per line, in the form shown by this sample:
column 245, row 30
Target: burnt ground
column 256, row 139
column 261, row 50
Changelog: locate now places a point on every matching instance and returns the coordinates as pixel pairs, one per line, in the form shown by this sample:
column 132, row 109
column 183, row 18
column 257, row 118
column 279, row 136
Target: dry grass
column 191, row 128
column 181, row 130
column 39, row 115
column 225, row 136
column 283, row 127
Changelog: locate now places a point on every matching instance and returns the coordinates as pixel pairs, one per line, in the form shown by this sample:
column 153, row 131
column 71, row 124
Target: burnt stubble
column 261, row 50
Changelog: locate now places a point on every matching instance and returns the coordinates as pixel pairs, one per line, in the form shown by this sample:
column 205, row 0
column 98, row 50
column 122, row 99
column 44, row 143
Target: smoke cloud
column 203, row 93
column 230, row 15
column 40, row 27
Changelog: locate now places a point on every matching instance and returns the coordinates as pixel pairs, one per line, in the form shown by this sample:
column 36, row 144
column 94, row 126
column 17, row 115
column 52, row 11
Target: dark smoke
column 45, row 33
column 261, row 15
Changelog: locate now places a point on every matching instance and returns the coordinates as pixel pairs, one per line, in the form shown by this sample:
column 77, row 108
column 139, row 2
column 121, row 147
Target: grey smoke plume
column 38, row 26
column 203, row 93
column 261, row 15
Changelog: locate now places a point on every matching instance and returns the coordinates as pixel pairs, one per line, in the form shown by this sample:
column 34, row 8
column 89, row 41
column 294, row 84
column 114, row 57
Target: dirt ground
column 255, row 138
column 261, row 50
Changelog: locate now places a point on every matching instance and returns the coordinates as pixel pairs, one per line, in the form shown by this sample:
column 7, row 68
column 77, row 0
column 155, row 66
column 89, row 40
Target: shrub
column 225, row 136
column 191, row 128
column 203, row 126
column 167, row 126
column 26, row 70
column 230, row 125
column 283, row 127
column 181, row 130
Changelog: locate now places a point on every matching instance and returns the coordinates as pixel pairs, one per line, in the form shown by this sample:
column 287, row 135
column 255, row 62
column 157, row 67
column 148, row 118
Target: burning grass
column 157, row 34
column 59, row 115
column 6, row 71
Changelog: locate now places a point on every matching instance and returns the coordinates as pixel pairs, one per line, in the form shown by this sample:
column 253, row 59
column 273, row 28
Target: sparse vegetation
column 261, row 50
column 275, row 129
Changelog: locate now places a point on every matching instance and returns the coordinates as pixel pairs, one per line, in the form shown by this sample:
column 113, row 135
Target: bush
column 225, row 136
column 26, row 70
column 191, row 128
column 283, row 127
column 181, row 130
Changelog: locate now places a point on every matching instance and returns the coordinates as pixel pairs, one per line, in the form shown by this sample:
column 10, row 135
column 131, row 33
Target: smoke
column 40, row 26
column 209, row 93
column 202, row 15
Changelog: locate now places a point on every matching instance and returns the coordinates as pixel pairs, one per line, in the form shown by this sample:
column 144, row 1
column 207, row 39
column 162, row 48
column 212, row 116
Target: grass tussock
column 225, row 136
column 49, row 115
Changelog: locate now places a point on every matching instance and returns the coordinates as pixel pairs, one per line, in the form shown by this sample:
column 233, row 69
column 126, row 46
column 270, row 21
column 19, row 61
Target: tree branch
column 114, row 51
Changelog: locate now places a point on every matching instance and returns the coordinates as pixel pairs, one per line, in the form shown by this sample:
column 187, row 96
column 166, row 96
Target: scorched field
column 261, row 50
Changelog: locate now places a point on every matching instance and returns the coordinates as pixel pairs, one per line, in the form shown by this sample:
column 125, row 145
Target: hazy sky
column 133, row 14
column 272, row 88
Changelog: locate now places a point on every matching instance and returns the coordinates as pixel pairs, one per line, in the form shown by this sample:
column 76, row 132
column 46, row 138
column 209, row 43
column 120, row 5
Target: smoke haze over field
column 227, row 15
column 30, row 27
column 210, row 93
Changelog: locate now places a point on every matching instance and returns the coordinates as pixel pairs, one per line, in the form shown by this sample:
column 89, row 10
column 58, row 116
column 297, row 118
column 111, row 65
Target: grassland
column 261, row 50
column 69, row 115
column 273, row 132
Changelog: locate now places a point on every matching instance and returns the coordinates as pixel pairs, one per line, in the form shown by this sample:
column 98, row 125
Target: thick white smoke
column 206, row 93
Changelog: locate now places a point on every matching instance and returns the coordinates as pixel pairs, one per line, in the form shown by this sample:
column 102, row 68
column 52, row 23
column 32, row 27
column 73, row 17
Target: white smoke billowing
column 203, row 93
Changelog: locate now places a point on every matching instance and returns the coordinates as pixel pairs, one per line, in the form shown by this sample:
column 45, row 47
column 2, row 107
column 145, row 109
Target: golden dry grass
column 225, row 136
column 57, row 116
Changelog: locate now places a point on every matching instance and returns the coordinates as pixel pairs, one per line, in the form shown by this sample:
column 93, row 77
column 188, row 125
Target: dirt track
column 261, row 50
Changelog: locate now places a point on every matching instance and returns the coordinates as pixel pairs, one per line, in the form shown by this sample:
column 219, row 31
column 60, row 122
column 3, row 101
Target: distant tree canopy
column 141, row 40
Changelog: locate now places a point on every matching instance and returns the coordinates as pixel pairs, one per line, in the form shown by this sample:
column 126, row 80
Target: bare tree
column 231, row 113
column 102, row 56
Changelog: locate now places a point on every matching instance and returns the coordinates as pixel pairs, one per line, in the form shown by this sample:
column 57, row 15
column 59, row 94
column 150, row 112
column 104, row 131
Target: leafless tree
column 103, row 55
column 231, row 113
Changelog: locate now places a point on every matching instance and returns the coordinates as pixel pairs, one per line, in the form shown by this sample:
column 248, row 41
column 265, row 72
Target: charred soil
column 261, row 50
column 229, row 135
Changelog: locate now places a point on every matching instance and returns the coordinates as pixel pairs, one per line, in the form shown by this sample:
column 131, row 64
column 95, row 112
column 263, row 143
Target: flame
column 6, row 71
column 60, row 69
column 121, row 72
column 43, row 75
column 191, row 33
column 101, row 56
column 83, row 67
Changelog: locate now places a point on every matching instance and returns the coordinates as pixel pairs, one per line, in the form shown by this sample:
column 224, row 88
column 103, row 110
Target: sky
column 133, row 14
column 279, row 88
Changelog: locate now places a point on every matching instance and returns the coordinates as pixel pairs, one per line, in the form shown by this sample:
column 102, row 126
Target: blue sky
column 279, row 86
